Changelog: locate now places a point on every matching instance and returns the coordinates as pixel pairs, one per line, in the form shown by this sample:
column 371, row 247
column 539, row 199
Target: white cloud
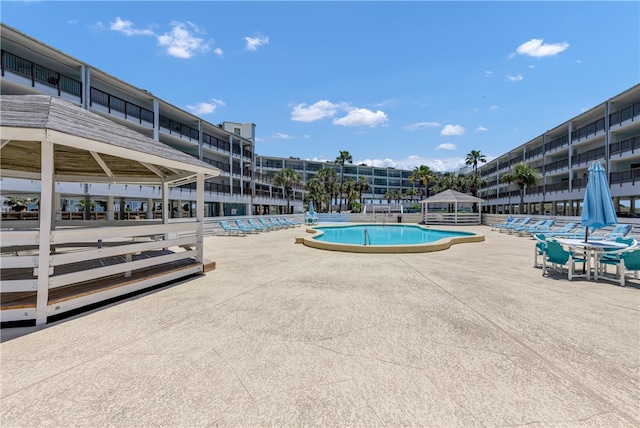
column 447, row 146
column 421, row 125
column 205, row 108
column 126, row 28
column 253, row 43
column 282, row 136
column 536, row 48
column 319, row 110
column 493, row 107
column 218, row 51
column 181, row 43
column 516, row 78
column 452, row 130
column 488, row 73
column 481, row 129
column 413, row 161
column 362, row 117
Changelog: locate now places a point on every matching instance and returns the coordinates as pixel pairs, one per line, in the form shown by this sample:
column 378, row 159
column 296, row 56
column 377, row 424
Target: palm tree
column 287, row 178
column 390, row 195
column 17, row 203
column 473, row 157
column 411, row 193
column 362, row 185
column 328, row 177
column 348, row 187
column 316, row 190
column 522, row 175
column 343, row 158
column 471, row 183
column 448, row 181
column 423, row 175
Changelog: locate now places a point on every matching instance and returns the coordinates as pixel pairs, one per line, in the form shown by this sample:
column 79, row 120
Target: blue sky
column 397, row 84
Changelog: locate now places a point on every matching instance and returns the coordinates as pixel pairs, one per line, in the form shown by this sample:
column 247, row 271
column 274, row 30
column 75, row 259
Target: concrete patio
column 285, row 335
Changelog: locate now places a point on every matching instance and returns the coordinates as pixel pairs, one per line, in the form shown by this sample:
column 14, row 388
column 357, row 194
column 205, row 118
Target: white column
column 149, row 208
column 200, row 216
column 110, row 216
column 46, row 207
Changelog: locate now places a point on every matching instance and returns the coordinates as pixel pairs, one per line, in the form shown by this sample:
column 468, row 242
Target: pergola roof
column 87, row 146
column 451, row 196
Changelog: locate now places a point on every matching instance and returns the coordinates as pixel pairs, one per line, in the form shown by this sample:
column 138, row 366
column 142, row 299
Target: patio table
column 592, row 250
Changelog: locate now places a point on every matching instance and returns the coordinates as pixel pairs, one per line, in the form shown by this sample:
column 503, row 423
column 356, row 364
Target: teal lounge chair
column 245, row 228
column 555, row 257
column 544, row 227
column 521, row 223
column 230, row 230
column 280, row 222
column 566, row 229
column 508, row 221
column 269, row 224
column 519, row 229
column 257, row 226
column 620, row 230
column 291, row 222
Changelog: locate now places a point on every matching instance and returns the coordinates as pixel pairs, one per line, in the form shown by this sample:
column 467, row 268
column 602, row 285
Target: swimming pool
column 389, row 238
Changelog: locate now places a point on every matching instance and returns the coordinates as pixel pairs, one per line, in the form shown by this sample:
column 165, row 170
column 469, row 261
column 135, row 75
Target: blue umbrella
column 597, row 209
column 311, row 211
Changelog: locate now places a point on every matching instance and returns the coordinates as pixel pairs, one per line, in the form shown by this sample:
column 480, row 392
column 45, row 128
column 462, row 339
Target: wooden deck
column 21, row 300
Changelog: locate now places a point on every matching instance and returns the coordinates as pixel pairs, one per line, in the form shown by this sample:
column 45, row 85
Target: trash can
column 399, row 219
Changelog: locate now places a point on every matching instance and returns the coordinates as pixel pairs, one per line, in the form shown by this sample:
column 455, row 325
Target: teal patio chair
column 626, row 262
column 539, row 249
column 555, row 257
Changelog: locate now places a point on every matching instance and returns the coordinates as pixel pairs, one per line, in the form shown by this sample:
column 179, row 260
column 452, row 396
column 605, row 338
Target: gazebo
column 451, row 207
column 51, row 266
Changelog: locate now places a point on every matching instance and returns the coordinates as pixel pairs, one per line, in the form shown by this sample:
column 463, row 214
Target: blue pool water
column 384, row 234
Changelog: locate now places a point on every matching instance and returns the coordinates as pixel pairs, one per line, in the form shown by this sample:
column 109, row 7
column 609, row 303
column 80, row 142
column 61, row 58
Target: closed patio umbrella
column 311, row 211
column 597, row 209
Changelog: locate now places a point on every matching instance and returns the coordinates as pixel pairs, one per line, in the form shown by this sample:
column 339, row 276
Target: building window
column 236, row 131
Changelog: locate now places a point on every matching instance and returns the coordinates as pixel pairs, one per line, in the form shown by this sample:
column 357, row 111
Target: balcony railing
column 559, row 164
column 129, row 110
column 579, row 183
column 557, row 187
column 628, row 176
column 40, row 74
column 174, row 127
column 534, row 152
column 557, row 143
column 587, row 156
column 626, row 113
column 630, row 144
column 589, row 129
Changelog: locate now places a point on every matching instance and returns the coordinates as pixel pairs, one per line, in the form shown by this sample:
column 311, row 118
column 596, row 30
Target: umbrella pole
column 584, row 264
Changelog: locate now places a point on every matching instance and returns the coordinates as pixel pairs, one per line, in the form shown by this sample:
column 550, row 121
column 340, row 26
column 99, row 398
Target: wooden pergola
column 50, row 266
column 451, row 207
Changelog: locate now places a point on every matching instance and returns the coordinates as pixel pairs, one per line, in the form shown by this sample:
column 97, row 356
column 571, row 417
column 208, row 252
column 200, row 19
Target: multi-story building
column 608, row 132
column 382, row 180
column 245, row 185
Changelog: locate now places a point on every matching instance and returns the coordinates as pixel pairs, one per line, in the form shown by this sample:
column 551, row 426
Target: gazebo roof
column 450, row 196
column 87, row 146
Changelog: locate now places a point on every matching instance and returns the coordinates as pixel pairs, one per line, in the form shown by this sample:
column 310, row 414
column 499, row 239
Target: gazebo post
column 44, row 246
column 200, row 216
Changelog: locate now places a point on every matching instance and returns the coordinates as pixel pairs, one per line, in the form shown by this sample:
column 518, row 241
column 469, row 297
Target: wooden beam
column 4, row 143
column 153, row 169
column 46, row 206
column 102, row 164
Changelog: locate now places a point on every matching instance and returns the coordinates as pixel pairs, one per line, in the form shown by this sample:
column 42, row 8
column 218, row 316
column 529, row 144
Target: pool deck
column 280, row 334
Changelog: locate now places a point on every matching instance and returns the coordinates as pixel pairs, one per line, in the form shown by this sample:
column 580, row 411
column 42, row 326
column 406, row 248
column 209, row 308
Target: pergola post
column 44, row 244
column 200, row 216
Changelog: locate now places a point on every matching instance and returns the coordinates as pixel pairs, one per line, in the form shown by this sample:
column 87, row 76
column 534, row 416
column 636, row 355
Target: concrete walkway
column 284, row 335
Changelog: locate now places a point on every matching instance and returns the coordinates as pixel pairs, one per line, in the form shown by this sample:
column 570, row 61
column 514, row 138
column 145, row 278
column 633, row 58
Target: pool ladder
column 367, row 238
